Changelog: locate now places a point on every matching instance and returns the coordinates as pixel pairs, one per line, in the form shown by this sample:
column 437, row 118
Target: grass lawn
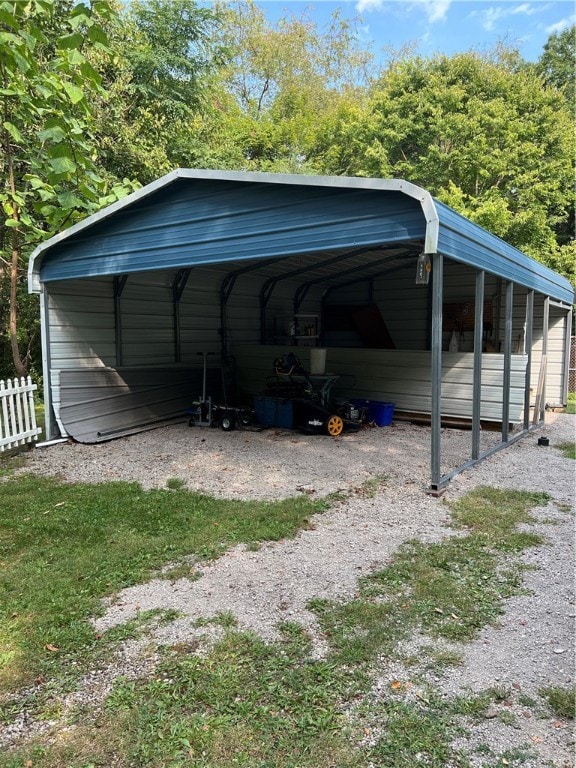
column 243, row 702
column 64, row 547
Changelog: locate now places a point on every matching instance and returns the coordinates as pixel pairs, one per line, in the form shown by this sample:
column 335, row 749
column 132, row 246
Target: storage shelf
column 301, row 322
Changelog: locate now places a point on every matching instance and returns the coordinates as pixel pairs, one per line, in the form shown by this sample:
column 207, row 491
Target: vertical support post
column 430, row 288
column 545, row 324
column 262, row 319
column 436, row 353
column 177, row 290
column 176, row 319
column 528, row 334
column 477, row 380
column 50, row 424
column 225, row 290
column 119, row 283
column 566, row 364
column 507, row 361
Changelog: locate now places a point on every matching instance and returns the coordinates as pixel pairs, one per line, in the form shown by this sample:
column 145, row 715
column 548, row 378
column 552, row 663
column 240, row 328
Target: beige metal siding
column 399, row 376
column 81, row 317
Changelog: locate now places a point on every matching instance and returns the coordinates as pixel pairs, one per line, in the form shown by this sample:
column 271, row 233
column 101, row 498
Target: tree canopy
column 556, row 65
column 479, row 132
column 99, row 97
column 50, row 177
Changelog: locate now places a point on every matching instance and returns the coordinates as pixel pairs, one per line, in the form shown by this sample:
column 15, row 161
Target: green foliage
column 479, row 132
column 49, row 175
column 47, row 83
column 556, row 65
column 156, row 87
column 280, row 83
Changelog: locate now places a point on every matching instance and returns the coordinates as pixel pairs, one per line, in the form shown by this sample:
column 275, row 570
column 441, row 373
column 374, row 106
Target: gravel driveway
column 532, row 647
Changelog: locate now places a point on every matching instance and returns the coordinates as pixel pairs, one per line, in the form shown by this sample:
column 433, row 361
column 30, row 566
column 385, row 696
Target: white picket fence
column 17, row 415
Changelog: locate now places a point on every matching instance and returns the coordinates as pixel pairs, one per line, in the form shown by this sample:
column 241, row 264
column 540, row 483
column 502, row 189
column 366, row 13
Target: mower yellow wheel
column 334, row 426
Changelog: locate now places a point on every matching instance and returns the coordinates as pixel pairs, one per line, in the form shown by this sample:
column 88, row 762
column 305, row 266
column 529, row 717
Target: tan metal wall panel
column 399, row 376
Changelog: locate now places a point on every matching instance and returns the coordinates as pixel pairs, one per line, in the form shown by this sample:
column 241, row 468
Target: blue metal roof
column 193, row 218
column 462, row 240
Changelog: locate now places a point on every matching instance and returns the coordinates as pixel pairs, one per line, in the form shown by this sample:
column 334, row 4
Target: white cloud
column 436, row 10
column 369, row 5
column 561, row 25
column 497, row 12
column 491, row 16
column 525, row 8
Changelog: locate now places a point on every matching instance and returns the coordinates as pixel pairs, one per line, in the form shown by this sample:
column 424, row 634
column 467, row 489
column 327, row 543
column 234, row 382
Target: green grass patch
column 64, row 547
column 175, row 483
column 562, row 701
column 450, row 589
column 407, row 731
column 244, row 702
column 568, row 449
column 571, row 404
column 493, row 514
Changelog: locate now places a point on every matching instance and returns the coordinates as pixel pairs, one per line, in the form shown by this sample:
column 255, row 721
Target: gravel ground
column 532, row 647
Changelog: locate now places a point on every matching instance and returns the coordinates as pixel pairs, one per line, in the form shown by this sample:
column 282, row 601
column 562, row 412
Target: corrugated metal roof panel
column 197, row 217
column 190, row 224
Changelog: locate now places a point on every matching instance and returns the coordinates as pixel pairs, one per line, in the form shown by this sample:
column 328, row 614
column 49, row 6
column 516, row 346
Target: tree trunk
column 19, row 365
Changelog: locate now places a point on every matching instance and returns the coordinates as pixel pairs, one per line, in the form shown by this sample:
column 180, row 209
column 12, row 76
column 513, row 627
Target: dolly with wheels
column 205, row 413
column 201, row 415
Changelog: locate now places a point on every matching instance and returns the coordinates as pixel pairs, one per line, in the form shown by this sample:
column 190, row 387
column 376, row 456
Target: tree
column 479, row 132
column 281, row 82
column 156, row 85
column 50, row 179
column 556, row 65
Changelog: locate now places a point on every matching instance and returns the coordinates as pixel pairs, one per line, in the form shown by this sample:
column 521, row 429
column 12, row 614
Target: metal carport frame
column 341, row 219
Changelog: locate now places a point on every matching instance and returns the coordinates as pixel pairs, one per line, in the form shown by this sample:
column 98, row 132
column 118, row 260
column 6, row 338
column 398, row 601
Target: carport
column 414, row 304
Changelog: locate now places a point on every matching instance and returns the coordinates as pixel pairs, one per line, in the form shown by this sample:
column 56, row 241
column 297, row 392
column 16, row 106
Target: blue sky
column 446, row 26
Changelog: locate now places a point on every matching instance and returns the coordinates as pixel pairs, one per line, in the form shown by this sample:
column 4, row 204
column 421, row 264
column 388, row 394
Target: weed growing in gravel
column 184, row 570
column 439, row 658
column 175, row 483
column 568, row 449
column 404, row 731
column 248, row 703
column 562, row 701
column 225, row 620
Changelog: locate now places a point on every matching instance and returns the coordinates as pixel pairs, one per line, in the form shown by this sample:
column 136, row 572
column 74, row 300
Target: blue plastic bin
column 381, row 413
column 273, row 411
